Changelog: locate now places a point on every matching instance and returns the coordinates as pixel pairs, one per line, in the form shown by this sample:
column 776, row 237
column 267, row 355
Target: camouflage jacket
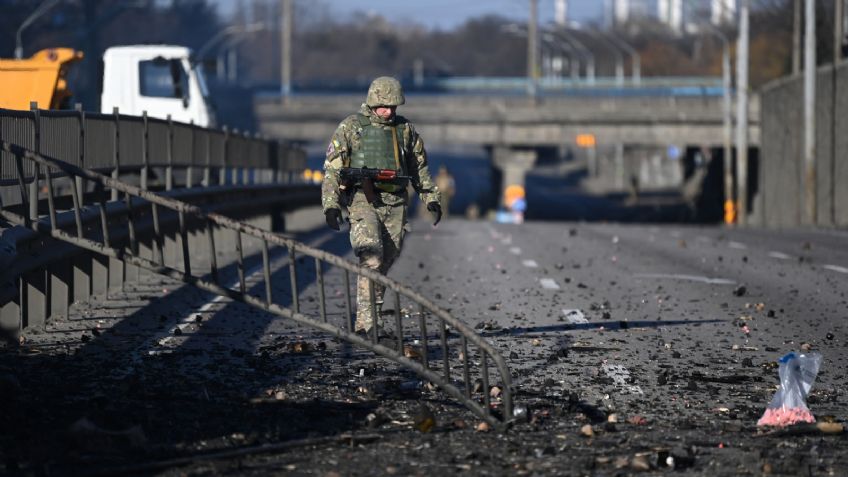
column 346, row 138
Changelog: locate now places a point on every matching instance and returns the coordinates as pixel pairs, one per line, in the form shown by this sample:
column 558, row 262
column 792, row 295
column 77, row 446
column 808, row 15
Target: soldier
column 376, row 138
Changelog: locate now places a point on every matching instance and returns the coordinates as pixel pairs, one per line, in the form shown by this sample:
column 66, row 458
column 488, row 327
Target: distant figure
column 447, row 186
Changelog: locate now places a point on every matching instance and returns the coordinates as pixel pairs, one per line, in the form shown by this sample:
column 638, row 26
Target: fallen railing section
column 470, row 345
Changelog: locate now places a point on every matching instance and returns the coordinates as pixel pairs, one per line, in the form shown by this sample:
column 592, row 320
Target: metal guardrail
column 151, row 153
column 155, row 205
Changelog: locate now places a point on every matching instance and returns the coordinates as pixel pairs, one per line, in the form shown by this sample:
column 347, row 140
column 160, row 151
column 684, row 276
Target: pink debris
column 781, row 417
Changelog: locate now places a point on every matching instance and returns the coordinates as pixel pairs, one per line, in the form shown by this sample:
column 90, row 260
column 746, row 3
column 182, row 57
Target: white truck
column 159, row 79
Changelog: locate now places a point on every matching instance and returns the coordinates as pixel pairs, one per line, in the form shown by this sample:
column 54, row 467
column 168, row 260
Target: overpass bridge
column 514, row 128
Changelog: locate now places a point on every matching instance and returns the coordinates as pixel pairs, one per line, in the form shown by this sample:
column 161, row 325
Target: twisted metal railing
column 472, row 392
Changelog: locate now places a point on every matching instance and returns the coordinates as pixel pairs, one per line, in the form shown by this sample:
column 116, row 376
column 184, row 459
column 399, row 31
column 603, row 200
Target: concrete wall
column 780, row 203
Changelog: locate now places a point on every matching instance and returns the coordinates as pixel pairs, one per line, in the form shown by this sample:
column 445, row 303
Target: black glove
column 333, row 216
column 436, row 209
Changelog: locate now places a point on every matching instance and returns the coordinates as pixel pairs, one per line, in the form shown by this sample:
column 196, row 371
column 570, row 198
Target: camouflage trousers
column 376, row 235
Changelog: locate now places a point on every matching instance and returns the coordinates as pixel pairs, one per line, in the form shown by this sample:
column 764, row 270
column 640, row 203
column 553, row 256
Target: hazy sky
column 447, row 14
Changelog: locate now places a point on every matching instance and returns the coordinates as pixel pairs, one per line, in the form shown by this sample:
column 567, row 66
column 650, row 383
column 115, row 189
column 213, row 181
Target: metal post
column 213, row 256
column 348, row 300
column 532, row 49
column 838, row 33
column 322, row 298
column 266, row 272
column 222, row 176
column 190, row 168
column 293, row 278
column 796, row 37
column 169, row 170
column 742, row 113
column 286, row 50
column 116, row 151
column 33, row 185
column 145, row 152
column 184, row 243
column 206, row 169
column 809, row 187
column 80, row 185
column 727, row 119
column 240, row 261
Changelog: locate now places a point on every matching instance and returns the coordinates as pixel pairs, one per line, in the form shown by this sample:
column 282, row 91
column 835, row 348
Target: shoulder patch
column 331, row 149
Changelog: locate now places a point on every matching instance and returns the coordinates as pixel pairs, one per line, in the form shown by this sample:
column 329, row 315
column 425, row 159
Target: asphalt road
column 663, row 340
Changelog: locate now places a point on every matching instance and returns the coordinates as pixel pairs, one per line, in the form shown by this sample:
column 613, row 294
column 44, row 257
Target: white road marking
column 575, row 317
column 779, row 255
column 515, row 250
column 835, row 268
column 690, row 278
column 621, row 378
column 530, row 263
column 549, row 283
column 737, row 245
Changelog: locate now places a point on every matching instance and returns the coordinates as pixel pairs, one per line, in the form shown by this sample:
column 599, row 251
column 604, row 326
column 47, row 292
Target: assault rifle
column 366, row 177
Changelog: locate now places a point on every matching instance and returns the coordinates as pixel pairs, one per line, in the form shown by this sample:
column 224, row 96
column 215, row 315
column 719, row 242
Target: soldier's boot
column 364, row 313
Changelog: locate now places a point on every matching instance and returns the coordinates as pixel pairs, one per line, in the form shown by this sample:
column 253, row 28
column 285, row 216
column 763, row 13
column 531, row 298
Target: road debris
column 789, row 405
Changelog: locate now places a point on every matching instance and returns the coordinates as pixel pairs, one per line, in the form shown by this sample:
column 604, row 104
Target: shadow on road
column 73, row 405
column 606, row 325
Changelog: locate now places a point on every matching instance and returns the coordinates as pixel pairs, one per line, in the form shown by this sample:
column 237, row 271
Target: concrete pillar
column 99, row 275
column 10, row 317
column 514, row 164
column 116, row 275
column 82, row 277
column 37, row 306
column 61, row 288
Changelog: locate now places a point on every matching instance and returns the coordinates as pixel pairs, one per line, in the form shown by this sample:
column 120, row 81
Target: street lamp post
column 565, row 47
column 809, row 111
column 619, row 58
column 635, row 59
column 729, row 204
column 742, row 113
column 45, row 6
column 230, row 30
column 588, row 56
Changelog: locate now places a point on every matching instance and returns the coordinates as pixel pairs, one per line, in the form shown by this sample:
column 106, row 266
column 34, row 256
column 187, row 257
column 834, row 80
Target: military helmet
column 385, row 91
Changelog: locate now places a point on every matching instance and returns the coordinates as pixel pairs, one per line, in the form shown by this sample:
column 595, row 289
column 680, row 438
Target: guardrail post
column 82, row 277
column 169, row 171
column 116, row 151
column 60, row 288
column 222, row 176
column 99, row 275
column 33, row 185
column 80, row 184
column 145, row 153
column 116, row 267
column 10, row 315
column 207, row 167
column 190, row 168
column 34, row 285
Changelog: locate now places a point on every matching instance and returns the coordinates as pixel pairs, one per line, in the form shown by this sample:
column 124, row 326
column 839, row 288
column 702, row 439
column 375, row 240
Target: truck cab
column 159, row 79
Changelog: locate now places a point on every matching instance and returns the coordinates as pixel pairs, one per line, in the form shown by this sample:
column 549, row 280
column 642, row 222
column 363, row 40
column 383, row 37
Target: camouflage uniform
column 376, row 229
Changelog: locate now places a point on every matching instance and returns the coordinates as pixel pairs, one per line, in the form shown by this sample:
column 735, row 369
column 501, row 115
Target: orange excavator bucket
column 40, row 78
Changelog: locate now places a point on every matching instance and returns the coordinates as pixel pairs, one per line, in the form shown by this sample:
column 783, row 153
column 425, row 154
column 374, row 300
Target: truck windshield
column 161, row 78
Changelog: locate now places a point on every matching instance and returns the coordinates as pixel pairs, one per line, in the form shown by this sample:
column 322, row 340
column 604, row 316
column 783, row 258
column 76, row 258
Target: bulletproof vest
column 377, row 148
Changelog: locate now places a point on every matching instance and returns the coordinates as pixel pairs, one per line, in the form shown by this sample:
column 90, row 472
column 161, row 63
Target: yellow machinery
column 40, row 78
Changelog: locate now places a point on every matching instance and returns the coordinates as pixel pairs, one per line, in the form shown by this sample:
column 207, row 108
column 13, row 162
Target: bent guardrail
column 137, row 199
